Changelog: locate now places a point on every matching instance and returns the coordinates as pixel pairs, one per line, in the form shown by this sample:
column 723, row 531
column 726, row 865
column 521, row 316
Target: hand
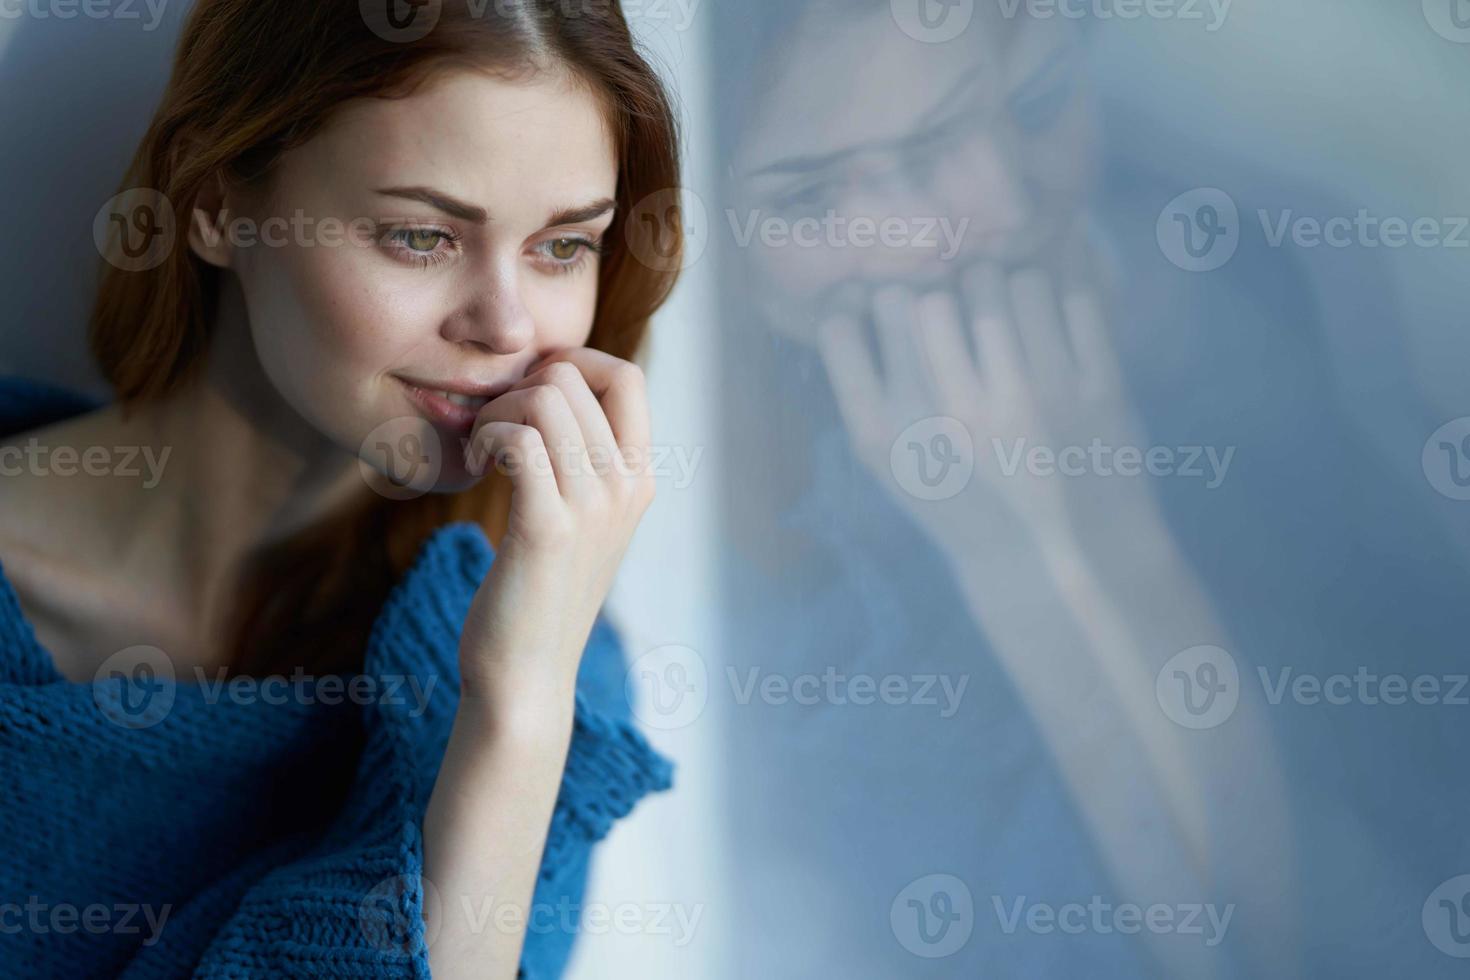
column 573, row 438
column 1045, row 376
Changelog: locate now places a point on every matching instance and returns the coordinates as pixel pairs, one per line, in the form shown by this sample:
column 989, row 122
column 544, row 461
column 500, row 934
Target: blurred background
column 1060, row 563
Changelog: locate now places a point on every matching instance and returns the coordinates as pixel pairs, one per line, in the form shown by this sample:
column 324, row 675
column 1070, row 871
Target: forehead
column 477, row 135
column 854, row 80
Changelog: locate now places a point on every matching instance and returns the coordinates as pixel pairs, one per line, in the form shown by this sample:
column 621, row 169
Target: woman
column 1057, row 603
column 354, row 244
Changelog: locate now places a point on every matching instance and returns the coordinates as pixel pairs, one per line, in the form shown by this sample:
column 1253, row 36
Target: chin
column 455, row 478
column 408, row 457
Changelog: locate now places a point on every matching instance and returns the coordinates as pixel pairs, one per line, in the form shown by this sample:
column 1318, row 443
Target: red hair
column 254, row 78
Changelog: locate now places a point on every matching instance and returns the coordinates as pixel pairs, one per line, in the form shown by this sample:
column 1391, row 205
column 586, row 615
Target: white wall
column 666, row 858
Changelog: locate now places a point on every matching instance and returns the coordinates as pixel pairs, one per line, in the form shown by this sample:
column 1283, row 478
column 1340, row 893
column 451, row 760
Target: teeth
column 464, row 401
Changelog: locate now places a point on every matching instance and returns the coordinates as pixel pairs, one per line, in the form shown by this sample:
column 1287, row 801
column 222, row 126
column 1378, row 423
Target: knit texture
column 172, row 827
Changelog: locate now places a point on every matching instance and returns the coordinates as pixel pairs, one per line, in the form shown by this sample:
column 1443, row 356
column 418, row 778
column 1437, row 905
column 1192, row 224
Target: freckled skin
column 333, row 322
column 992, row 131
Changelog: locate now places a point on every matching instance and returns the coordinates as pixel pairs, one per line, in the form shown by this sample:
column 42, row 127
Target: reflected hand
column 1043, row 384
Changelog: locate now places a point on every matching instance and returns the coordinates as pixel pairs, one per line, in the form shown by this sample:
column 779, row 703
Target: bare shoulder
column 45, row 486
column 50, row 514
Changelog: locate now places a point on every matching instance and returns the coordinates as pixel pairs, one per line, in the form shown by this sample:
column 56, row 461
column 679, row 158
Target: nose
column 491, row 315
column 966, row 203
column 982, row 181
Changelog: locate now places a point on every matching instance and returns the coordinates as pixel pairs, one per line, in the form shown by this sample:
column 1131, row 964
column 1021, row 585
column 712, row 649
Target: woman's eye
column 567, row 254
column 422, row 239
column 811, row 200
column 421, row 246
column 565, row 249
column 1038, row 113
column 1041, row 101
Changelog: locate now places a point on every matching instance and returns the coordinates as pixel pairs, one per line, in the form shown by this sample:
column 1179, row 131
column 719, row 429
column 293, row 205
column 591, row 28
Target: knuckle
column 562, row 372
column 630, row 374
column 543, row 398
column 522, row 436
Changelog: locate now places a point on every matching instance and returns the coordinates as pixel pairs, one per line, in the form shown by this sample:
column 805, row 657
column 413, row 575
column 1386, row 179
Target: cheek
column 800, row 269
column 561, row 306
column 327, row 323
column 1062, row 160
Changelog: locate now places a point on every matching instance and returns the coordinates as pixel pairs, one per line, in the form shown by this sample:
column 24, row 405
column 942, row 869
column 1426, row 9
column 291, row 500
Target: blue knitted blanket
column 169, row 827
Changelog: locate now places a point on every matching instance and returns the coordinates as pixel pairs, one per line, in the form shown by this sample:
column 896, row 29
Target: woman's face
column 425, row 252
column 979, row 148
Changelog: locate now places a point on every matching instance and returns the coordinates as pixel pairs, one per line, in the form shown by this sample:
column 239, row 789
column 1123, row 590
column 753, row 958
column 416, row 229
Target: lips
column 452, row 408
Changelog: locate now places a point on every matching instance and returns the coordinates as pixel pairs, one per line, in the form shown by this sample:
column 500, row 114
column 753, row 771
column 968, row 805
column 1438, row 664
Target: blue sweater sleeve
column 350, row 904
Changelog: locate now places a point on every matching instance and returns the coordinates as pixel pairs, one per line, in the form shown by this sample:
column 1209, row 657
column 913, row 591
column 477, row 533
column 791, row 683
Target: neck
column 243, row 471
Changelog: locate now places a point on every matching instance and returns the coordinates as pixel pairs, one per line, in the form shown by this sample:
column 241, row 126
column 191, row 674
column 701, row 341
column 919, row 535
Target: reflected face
column 981, row 148
column 449, row 240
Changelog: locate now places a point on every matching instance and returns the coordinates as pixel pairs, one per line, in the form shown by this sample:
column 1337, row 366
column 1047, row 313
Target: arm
column 486, row 823
column 1071, row 572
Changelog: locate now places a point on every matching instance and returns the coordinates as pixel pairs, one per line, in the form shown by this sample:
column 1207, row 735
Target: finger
column 1039, row 323
column 990, row 321
column 894, row 318
column 597, row 434
column 1087, row 327
column 852, row 374
column 519, row 453
column 941, row 341
column 619, row 386
column 545, row 408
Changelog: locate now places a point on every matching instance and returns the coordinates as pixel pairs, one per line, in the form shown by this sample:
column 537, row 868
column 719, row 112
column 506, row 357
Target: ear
column 209, row 225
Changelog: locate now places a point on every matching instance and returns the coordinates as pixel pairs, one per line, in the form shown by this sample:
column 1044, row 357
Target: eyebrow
column 810, row 164
column 469, row 212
